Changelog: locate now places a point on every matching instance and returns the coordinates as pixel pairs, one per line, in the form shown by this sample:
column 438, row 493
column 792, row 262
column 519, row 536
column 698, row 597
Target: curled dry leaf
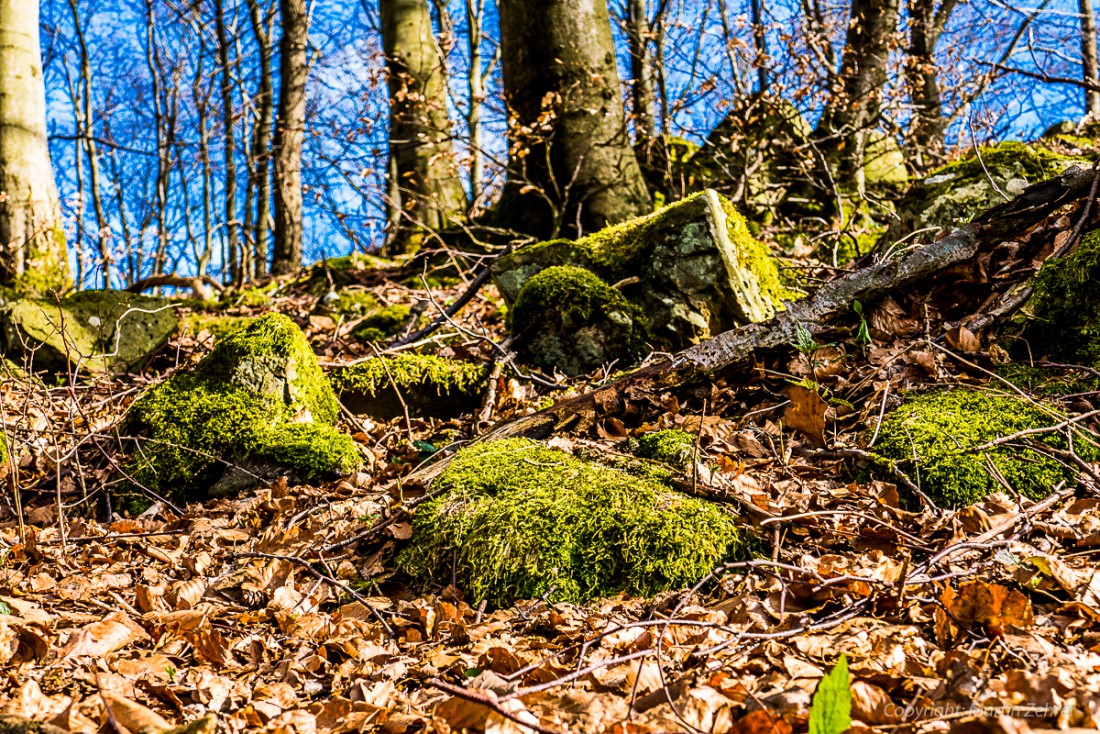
column 102, row 638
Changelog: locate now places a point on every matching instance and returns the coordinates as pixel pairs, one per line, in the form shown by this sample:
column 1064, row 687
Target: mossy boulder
column 383, row 323
column 884, row 164
column 518, row 520
column 567, row 318
column 425, row 384
column 954, row 194
column 93, row 331
column 1062, row 318
column 933, row 438
column 753, row 154
column 692, row 268
column 258, row 406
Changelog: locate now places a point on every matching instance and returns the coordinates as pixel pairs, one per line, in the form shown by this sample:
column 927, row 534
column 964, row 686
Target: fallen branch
column 198, row 285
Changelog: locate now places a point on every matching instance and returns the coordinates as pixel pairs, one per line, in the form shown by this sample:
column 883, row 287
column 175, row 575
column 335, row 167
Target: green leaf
column 831, row 712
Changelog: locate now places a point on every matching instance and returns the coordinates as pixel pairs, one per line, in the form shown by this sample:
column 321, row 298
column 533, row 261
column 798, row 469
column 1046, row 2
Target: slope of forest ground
column 281, row 610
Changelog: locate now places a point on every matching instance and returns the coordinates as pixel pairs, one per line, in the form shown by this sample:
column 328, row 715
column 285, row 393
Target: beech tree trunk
column 571, row 167
column 1088, row 59
column 642, row 91
column 259, row 176
column 33, row 256
column 853, row 109
column 289, row 133
column 926, row 131
column 239, row 265
column 428, row 184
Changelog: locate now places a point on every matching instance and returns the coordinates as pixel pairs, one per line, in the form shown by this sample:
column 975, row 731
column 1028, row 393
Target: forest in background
column 163, row 114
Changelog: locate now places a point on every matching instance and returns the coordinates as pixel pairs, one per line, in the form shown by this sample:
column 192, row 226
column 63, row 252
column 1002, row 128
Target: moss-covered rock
column 933, row 438
column 257, row 406
column 884, row 164
column 752, row 154
column 95, row 331
column 383, row 323
column 427, row 384
column 518, row 520
column 1053, row 381
column 693, row 269
column 1062, row 318
column 673, row 447
column 954, row 194
column 567, row 318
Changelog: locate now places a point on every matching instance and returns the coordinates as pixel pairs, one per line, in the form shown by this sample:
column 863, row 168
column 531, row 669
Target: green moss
column 932, row 437
column 518, row 520
column 1048, row 380
column 218, row 325
column 673, row 447
column 426, row 383
column 46, row 270
column 758, row 256
column 259, row 394
column 1065, row 308
column 383, row 323
column 567, row 318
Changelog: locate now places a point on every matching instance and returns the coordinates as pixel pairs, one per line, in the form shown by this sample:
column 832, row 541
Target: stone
column 92, row 331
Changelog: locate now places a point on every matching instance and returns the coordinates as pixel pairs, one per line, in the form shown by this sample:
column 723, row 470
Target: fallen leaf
column 806, row 414
column 100, row 639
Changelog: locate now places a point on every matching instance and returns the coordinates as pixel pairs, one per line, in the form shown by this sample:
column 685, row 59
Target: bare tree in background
column 430, row 192
column 289, row 133
column 642, row 90
column 33, row 255
column 1090, row 73
column 856, row 98
column 926, row 128
column 572, row 169
column 239, row 265
column 261, row 15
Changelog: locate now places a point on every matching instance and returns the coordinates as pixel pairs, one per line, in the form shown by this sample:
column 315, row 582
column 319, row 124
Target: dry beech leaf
column 963, row 339
column 992, row 605
column 100, row 639
column 134, row 716
column 806, row 414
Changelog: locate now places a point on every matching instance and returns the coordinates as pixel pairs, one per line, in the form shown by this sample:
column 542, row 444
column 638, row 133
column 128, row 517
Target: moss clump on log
column 518, row 520
column 934, row 438
column 427, row 385
column 567, row 318
column 258, row 399
column 673, row 447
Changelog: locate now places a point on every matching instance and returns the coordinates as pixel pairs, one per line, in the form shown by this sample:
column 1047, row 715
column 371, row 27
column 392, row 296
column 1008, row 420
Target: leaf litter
column 280, row 610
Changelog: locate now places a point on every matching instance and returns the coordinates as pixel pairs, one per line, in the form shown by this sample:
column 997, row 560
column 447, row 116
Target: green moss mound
column 673, row 447
column 428, row 385
column 383, row 323
column 1064, row 311
column 932, row 437
column 217, row 325
column 519, row 520
column 1051, row 381
column 567, row 318
column 258, row 396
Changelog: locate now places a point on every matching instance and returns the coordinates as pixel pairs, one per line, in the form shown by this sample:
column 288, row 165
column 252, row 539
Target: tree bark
column 33, row 254
column 431, row 193
column 1089, row 69
column 926, row 130
column 238, row 258
column 475, row 82
column 853, row 109
column 642, row 90
column 289, row 133
column 571, row 167
column 259, row 182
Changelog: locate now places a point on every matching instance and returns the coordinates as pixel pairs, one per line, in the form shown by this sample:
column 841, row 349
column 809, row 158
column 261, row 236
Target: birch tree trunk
column 33, row 255
column 431, row 193
column 572, row 169
column 289, row 133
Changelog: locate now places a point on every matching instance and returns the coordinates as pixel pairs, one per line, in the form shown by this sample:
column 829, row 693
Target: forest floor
column 259, row 608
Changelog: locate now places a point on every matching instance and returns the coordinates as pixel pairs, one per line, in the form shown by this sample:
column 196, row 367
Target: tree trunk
column 760, row 43
column 853, row 109
column 571, row 167
column 289, row 133
column 475, row 81
column 1088, row 59
column 238, row 259
column 260, row 173
column 642, row 90
column 33, row 255
column 431, row 193
column 926, row 131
